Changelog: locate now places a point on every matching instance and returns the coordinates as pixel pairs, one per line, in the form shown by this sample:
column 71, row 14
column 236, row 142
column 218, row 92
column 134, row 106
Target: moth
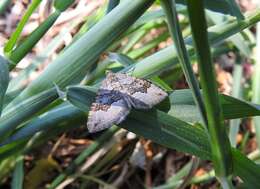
column 117, row 95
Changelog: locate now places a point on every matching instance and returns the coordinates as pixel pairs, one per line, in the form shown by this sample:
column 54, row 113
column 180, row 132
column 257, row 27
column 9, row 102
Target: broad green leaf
column 183, row 107
column 4, row 80
column 246, row 169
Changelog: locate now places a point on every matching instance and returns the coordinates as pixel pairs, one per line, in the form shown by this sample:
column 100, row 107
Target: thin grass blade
column 221, row 152
column 4, row 80
column 176, row 34
column 256, row 85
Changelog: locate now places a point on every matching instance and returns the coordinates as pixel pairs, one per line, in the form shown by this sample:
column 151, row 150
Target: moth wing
column 147, row 99
column 106, row 111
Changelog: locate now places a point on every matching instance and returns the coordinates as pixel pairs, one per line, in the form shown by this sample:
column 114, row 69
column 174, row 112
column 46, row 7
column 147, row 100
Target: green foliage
column 59, row 99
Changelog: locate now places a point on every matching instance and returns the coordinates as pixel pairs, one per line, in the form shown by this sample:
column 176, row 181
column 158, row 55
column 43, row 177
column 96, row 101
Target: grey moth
column 117, row 95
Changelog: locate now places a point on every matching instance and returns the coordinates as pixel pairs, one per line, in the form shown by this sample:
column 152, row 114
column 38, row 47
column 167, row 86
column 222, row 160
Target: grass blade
column 166, row 58
column 18, row 174
column 4, row 80
column 15, row 35
column 3, row 5
column 25, row 109
column 235, row 9
column 221, row 152
column 112, row 4
column 256, row 85
column 72, row 65
column 236, row 92
column 217, row 5
column 175, row 31
column 22, row 49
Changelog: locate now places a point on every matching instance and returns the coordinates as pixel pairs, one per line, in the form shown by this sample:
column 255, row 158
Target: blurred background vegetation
column 204, row 53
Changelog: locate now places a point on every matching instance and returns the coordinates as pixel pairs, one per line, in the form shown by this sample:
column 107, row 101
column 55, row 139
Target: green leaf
column 234, row 108
column 221, row 150
column 246, row 169
column 4, row 80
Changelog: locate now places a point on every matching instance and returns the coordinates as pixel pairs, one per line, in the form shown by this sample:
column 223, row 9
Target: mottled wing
column 140, row 93
column 108, row 109
column 146, row 95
